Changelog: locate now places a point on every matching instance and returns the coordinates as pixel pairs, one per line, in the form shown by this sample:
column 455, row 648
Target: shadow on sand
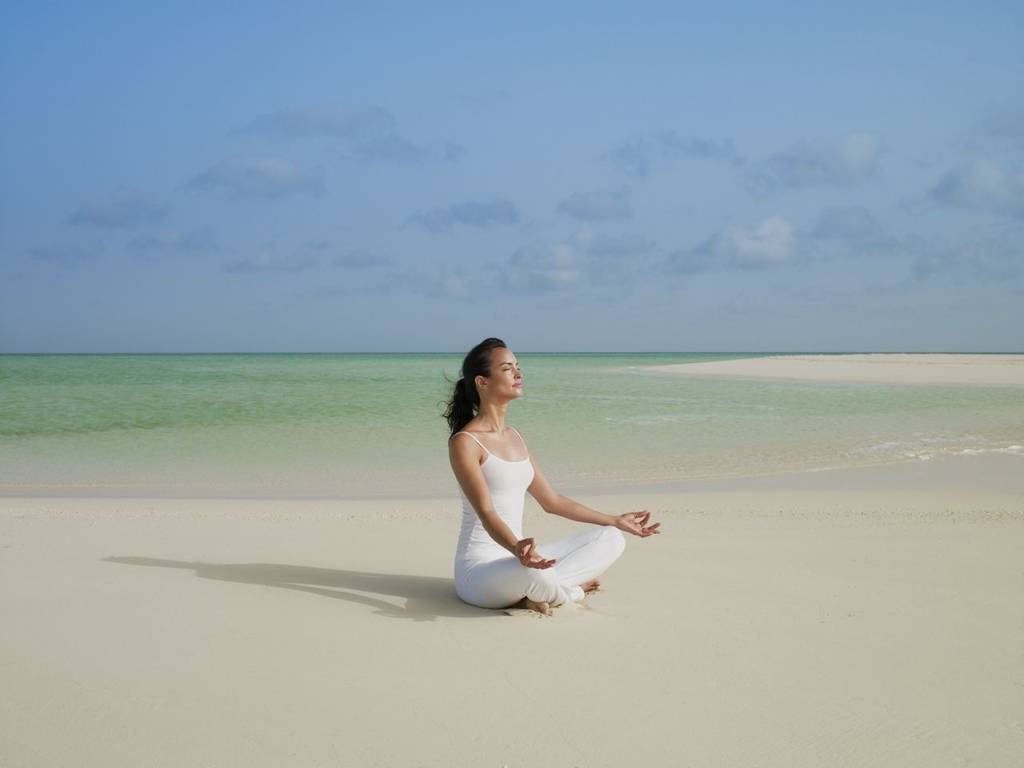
column 426, row 597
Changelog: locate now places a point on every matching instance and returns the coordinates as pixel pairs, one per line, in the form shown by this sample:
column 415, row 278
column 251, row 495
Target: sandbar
column 881, row 368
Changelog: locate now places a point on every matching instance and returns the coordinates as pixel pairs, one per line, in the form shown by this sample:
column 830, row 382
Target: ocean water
column 367, row 425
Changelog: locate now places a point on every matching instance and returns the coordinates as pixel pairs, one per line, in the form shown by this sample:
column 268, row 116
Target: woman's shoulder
column 517, row 432
column 467, row 432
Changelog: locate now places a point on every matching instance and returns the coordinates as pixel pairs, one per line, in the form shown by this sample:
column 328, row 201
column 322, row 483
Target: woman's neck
column 492, row 417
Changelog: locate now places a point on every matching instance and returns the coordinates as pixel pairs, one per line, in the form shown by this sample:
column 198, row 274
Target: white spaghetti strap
column 477, row 441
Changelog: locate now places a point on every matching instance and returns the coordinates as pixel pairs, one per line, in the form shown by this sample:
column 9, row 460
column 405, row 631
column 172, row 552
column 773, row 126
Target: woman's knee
column 614, row 538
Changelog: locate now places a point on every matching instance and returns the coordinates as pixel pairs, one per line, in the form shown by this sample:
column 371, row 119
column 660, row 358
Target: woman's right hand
column 636, row 523
column 526, row 551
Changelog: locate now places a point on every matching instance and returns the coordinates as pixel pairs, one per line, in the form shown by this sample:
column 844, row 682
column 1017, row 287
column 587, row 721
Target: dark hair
column 466, row 400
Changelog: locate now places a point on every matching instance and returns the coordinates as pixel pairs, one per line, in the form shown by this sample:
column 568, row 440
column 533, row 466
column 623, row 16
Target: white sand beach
column 883, row 368
column 874, row 618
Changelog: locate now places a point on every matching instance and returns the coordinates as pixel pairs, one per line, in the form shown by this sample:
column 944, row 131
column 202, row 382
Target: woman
column 495, row 567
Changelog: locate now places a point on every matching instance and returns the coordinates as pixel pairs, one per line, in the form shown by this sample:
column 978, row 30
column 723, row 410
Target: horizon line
column 542, row 352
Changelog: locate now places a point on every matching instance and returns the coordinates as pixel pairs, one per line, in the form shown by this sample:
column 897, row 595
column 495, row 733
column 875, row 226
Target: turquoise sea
column 369, row 425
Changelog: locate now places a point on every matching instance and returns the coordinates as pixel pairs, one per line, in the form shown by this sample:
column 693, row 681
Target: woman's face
column 506, row 380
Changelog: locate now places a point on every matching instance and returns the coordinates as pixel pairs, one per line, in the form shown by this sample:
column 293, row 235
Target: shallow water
column 354, row 425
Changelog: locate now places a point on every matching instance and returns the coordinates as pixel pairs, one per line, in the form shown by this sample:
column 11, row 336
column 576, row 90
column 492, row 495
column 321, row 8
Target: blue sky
column 567, row 176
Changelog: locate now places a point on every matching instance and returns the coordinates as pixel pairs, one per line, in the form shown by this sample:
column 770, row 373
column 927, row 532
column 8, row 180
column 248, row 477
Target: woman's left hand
column 636, row 523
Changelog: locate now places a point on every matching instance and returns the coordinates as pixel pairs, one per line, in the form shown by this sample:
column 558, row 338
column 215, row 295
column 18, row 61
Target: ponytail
column 465, row 400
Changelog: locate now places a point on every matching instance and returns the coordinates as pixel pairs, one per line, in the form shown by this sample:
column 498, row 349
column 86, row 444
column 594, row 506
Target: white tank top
column 507, row 482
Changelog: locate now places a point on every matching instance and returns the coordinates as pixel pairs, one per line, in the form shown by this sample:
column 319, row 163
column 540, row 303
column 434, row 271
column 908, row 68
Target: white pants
column 505, row 581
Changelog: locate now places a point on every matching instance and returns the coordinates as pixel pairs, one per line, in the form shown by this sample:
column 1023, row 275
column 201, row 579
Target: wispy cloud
column 457, row 283
column 69, row 255
column 620, row 247
column 576, row 264
column 124, row 210
column 401, row 150
column 482, row 214
column 995, row 258
column 640, row 156
column 569, row 270
column 261, row 178
column 462, row 282
column 635, row 157
column 673, row 144
column 982, row 185
column 354, row 124
column 832, row 298
column 543, row 268
column 370, row 133
column 361, row 281
column 849, row 224
column 270, row 257
column 852, row 233
column 1005, row 126
column 267, row 258
column 335, row 256
column 616, row 260
column 842, row 162
column 772, row 242
column 173, row 244
column 361, row 260
column 601, row 205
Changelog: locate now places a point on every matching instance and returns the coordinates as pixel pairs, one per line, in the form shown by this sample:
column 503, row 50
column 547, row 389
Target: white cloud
column 851, row 224
column 267, row 259
column 533, row 270
column 601, row 205
column 772, row 241
column 123, row 210
column 982, row 185
column 544, row 268
column 68, row 255
column 639, row 157
column 161, row 245
column 448, row 282
column 769, row 243
column 361, row 260
column 619, row 247
column 474, row 213
column 371, row 133
column 993, row 258
column 842, row 162
column 578, row 264
column 264, row 177
column 1005, row 126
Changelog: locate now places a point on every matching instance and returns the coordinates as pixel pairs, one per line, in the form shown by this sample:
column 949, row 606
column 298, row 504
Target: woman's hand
column 636, row 523
column 526, row 551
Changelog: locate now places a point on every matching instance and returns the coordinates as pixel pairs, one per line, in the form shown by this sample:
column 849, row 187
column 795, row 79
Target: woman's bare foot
column 590, row 586
column 541, row 608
